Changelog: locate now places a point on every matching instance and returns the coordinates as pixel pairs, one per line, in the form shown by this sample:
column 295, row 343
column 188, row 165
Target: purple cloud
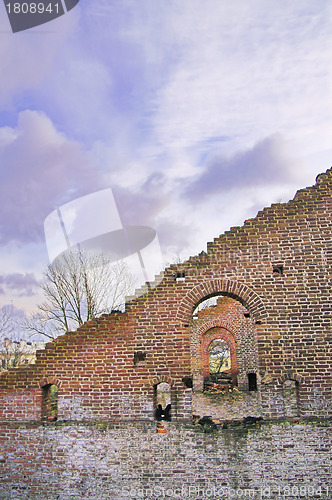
column 266, row 164
column 144, row 205
column 22, row 285
column 40, row 169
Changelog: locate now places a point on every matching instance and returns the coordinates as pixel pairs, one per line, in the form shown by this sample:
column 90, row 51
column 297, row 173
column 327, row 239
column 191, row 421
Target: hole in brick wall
column 162, row 401
column 179, row 276
column 188, row 382
column 139, row 357
column 49, row 402
column 252, row 381
column 278, row 270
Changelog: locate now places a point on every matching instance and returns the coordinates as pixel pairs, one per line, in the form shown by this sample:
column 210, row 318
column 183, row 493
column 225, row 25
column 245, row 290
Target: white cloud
column 247, row 72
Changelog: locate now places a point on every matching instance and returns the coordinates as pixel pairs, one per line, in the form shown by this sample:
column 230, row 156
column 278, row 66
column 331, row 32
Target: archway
column 210, row 341
column 227, row 319
column 49, row 409
column 219, row 359
column 162, row 401
column 211, row 288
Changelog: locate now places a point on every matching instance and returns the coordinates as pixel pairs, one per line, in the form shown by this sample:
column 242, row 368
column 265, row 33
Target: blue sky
column 197, row 113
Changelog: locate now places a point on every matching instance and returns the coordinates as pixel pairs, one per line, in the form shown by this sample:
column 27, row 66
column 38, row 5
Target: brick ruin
column 271, row 279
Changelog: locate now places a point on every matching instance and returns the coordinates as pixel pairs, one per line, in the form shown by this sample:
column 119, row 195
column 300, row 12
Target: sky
column 196, row 113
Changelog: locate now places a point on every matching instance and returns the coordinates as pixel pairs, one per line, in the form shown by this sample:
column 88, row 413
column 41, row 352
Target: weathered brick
column 286, row 335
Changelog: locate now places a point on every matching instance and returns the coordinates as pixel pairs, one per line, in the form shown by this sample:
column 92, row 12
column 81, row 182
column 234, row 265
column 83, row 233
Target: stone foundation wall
column 233, row 406
column 108, row 461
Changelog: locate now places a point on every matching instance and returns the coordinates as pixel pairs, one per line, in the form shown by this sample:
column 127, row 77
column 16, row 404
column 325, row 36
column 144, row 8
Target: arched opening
column 221, row 287
column 49, row 402
column 162, row 401
column 226, row 319
column 229, row 311
column 219, row 358
column 219, row 361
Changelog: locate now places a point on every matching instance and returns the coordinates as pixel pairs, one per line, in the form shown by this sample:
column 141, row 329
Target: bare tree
column 6, row 322
column 12, row 349
column 218, row 355
column 78, row 287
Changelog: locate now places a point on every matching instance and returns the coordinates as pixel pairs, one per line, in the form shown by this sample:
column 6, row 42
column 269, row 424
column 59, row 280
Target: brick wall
column 277, row 266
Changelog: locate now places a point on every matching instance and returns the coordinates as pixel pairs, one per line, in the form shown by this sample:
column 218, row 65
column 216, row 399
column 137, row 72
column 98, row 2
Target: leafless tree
column 6, row 322
column 218, row 354
column 77, row 288
column 11, row 349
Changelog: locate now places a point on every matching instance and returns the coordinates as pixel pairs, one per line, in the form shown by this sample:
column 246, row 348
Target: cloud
column 26, row 58
column 243, row 71
column 266, row 164
column 155, row 203
column 40, row 169
column 143, row 204
column 22, row 285
column 175, row 237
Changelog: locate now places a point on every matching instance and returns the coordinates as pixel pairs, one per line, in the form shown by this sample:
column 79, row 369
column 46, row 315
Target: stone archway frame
column 290, row 375
column 297, row 404
column 209, row 288
column 228, row 337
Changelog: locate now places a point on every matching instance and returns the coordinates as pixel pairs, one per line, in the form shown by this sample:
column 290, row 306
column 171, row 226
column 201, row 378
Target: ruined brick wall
column 277, row 265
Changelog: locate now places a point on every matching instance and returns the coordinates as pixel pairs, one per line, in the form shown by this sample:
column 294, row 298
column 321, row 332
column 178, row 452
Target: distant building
column 14, row 353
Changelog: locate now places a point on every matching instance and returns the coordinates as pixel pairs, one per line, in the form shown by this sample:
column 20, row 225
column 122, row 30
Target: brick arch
column 50, row 381
column 228, row 337
column 161, row 379
column 233, row 289
column 214, row 322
